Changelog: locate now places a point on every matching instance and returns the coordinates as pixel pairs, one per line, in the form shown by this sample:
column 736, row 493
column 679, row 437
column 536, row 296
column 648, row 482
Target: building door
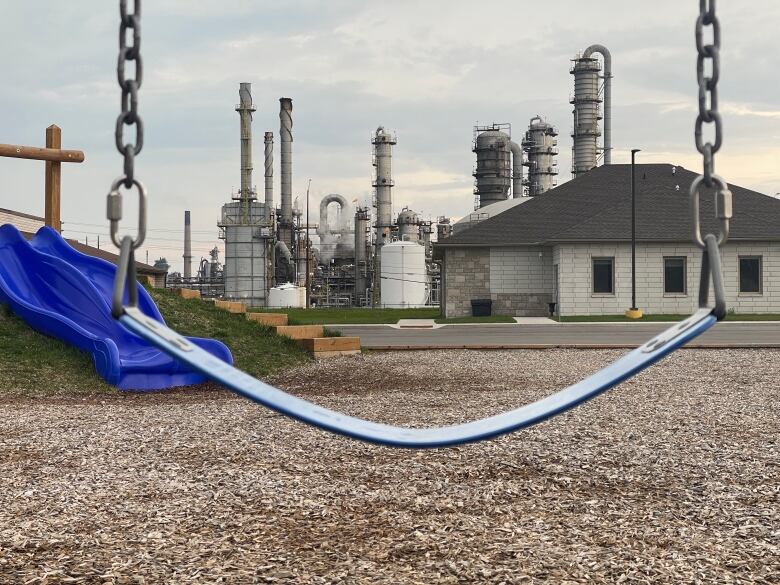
column 556, row 288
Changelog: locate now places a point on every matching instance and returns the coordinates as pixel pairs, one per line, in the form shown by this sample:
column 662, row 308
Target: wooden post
column 53, row 176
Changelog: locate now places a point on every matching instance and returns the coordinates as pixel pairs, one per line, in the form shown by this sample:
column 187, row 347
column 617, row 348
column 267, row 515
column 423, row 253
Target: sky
column 429, row 71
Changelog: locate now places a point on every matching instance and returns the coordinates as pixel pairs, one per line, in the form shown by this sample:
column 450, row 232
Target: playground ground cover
column 672, row 477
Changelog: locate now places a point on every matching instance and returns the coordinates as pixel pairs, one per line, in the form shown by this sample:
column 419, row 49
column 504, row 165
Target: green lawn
column 31, row 363
column 665, row 318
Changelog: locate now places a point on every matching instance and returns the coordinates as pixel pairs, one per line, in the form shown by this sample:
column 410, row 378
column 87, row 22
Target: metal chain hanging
column 128, row 116
column 709, row 115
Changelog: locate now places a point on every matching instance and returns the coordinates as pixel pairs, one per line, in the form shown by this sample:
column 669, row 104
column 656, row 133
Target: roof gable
column 597, row 207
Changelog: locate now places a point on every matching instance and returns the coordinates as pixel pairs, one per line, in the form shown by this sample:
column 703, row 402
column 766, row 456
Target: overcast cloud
column 427, row 70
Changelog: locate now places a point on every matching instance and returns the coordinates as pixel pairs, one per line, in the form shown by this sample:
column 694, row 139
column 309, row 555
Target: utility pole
column 633, row 312
column 308, row 250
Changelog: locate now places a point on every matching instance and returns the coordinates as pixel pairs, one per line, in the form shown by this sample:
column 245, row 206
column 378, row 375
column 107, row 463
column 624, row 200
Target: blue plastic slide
column 65, row 294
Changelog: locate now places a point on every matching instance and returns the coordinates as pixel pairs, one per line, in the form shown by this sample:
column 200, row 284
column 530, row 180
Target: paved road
column 496, row 336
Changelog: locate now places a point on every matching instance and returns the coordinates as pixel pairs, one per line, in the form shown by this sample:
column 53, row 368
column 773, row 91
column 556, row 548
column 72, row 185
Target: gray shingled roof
column 596, row 207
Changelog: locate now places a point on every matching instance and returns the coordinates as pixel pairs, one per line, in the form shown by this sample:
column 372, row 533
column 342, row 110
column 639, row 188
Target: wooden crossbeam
column 37, row 153
column 54, row 157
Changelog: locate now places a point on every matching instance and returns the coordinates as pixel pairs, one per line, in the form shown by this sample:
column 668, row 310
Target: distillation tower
column 495, row 150
column 540, row 145
column 587, row 101
column 244, row 224
column 362, row 261
column 383, row 184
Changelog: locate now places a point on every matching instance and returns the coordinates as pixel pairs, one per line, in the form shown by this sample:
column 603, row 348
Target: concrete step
column 300, row 331
column 270, row 319
column 327, row 347
column 187, row 293
column 231, row 306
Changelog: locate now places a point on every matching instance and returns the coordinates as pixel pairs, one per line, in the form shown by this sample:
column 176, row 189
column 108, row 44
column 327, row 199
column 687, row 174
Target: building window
column 750, row 274
column 604, row 276
column 675, row 275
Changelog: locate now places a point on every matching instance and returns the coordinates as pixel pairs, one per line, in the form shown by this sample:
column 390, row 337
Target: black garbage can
column 481, row 307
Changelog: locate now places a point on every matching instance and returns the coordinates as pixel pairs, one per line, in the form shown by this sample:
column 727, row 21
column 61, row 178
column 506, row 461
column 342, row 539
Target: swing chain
column 129, row 116
column 708, row 84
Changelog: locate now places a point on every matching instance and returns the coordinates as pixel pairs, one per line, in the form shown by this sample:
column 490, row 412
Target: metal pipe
column 187, row 246
column 285, row 251
column 517, row 169
column 324, row 226
column 269, row 174
column 604, row 52
column 286, row 139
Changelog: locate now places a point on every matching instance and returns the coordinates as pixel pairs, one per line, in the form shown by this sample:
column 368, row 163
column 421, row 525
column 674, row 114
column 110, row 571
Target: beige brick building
column 571, row 246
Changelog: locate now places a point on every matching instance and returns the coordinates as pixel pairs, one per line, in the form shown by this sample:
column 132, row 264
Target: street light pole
column 633, row 312
column 308, row 250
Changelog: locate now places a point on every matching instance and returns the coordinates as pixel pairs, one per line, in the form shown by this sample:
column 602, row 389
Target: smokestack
column 269, row 173
column 187, row 246
column 245, row 109
column 285, row 133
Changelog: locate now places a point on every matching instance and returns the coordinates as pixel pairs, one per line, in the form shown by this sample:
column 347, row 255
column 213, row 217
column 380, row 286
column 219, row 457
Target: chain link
column 709, row 114
column 130, row 25
column 708, row 84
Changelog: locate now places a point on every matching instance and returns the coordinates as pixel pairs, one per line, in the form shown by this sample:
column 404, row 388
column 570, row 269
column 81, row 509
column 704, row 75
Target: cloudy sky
column 427, row 70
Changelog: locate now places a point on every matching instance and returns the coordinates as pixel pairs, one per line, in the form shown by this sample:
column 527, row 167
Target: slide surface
column 65, row 294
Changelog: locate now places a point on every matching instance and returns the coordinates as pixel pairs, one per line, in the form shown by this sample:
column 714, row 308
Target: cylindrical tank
column 540, row 144
column 492, row 174
column 408, row 226
column 403, row 275
column 245, row 251
column 383, row 143
column 287, row 295
column 587, row 113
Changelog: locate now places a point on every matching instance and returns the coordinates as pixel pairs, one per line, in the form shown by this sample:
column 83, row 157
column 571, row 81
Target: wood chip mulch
column 673, row 477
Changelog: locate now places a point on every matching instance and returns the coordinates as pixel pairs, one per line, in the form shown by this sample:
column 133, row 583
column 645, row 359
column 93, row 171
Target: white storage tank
column 403, row 275
column 287, row 295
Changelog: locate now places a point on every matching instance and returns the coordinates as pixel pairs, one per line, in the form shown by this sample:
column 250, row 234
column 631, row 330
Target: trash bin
column 481, row 307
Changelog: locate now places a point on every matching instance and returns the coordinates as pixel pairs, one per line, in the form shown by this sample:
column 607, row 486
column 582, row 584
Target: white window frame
column 593, row 276
column 684, row 293
column 760, row 259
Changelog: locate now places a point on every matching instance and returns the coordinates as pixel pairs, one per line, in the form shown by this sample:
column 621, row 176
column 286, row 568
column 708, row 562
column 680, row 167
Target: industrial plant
column 364, row 256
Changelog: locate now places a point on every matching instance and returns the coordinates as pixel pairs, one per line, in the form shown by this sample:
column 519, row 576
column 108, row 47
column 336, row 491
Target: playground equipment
column 66, row 294
column 244, row 385
column 130, row 315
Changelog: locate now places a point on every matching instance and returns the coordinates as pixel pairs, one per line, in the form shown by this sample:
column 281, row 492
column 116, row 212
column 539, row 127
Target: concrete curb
column 561, row 346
